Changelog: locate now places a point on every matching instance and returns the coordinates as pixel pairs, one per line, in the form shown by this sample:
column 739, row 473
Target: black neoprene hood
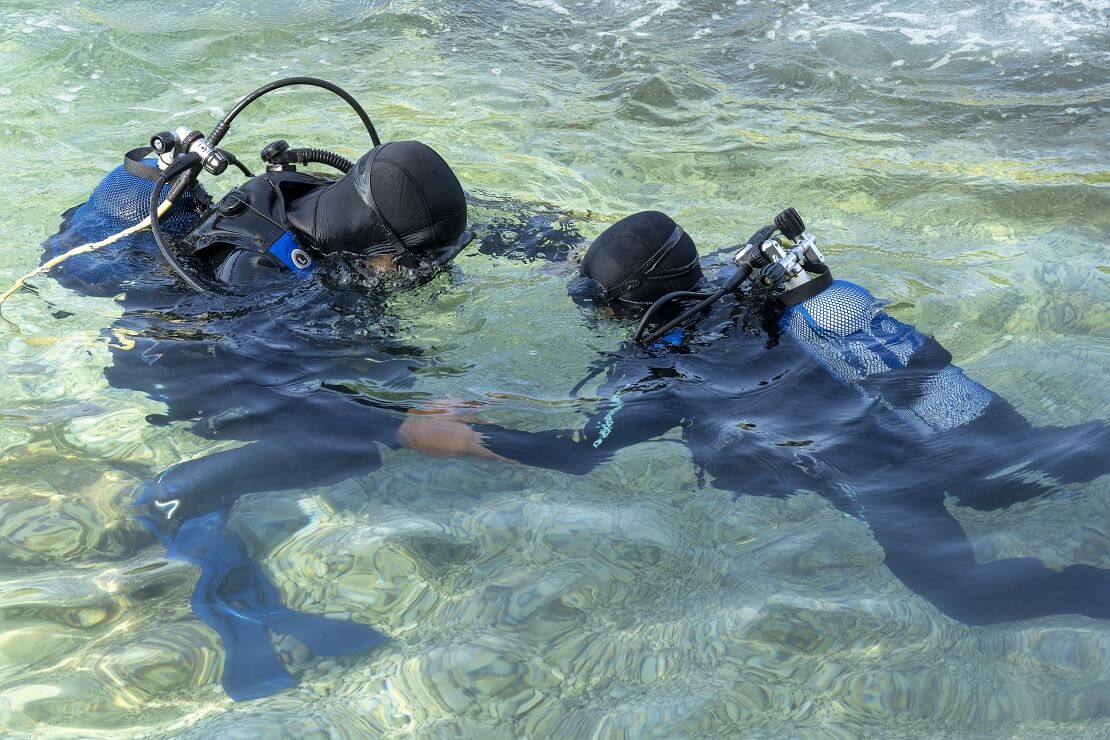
column 642, row 257
column 399, row 198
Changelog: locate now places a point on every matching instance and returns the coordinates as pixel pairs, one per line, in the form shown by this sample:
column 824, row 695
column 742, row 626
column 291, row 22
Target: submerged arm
column 527, row 234
column 625, row 420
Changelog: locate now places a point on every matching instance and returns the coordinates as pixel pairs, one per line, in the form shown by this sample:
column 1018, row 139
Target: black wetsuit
column 764, row 417
column 270, row 360
column 266, row 367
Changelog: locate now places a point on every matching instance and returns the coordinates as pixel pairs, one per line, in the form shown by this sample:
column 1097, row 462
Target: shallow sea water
column 952, row 157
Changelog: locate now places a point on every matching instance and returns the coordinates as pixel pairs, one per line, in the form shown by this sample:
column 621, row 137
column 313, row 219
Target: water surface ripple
column 952, row 157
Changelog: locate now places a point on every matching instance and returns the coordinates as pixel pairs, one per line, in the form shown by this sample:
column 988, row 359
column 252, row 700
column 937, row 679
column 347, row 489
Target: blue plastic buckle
column 673, row 338
column 292, row 255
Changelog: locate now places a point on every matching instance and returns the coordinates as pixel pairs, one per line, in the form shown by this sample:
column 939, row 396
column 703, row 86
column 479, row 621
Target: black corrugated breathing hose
column 320, row 156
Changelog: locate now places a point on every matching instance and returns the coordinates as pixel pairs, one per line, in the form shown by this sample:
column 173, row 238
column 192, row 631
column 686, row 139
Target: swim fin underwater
column 234, row 597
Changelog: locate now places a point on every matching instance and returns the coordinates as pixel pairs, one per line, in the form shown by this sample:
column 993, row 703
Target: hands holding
column 442, row 429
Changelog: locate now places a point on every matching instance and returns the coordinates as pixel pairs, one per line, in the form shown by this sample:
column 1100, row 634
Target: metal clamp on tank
column 184, row 140
column 800, row 271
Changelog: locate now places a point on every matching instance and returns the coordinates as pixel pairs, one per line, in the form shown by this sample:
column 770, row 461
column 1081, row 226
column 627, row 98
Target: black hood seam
column 413, row 181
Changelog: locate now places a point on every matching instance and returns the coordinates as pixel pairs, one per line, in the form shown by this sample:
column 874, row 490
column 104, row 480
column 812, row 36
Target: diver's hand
column 458, row 409
column 442, row 429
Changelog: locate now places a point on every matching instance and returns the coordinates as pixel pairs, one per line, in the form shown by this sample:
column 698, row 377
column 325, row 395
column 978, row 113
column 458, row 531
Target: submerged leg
column 234, row 597
column 1074, row 454
column 1001, row 447
column 187, row 508
column 929, row 552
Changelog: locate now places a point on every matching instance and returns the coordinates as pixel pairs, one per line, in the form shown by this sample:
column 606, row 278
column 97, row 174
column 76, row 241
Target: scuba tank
column 845, row 328
column 120, row 200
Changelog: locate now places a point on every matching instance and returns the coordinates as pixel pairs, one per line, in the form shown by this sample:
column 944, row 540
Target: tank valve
column 183, row 140
column 790, row 224
column 163, row 143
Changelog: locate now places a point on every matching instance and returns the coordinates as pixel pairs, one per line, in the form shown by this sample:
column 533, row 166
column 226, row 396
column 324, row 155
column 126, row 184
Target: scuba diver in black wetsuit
column 260, row 350
column 745, row 387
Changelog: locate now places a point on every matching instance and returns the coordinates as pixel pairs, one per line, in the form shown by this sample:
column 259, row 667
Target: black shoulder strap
column 807, row 290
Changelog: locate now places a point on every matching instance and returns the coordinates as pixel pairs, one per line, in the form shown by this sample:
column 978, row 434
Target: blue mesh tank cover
column 120, row 201
column 861, row 345
column 123, row 199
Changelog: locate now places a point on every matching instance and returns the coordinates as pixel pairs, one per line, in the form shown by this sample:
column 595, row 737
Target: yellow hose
column 90, row 247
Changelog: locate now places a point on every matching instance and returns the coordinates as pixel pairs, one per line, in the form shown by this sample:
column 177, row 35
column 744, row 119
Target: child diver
column 745, row 387
column 261, row 355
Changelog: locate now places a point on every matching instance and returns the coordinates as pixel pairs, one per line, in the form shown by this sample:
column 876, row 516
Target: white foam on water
column 941, row 62
column 551, row 5
column 1018, row 25
column 916, row 18
column 1060, row 20
column 664, row 7
column 922, row 36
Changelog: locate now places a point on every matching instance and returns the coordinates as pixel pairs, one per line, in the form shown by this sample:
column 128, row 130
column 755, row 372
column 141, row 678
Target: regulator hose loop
column 185, row 169
column 743, row 271
column 676, row 295
column 224, row 125
column 748, row 259
column 233, row 160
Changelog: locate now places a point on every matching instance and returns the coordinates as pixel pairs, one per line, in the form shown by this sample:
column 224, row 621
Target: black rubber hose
column 185, row 169
column 235, row 161
column 222, row 127
column 320, row 156
column 659, row 304
column 743, row 270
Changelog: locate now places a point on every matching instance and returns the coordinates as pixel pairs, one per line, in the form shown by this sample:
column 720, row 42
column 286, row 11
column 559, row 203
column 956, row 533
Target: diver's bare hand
column 442, row 429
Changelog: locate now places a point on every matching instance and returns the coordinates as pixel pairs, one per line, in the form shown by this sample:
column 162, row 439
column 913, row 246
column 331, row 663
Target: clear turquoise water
column 952, row 157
